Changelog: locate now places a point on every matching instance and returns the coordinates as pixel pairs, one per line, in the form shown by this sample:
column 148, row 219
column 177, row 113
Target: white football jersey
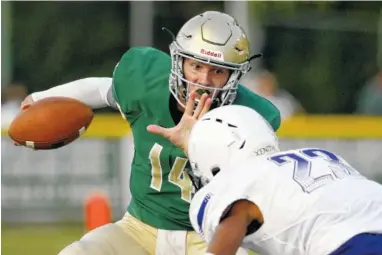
column 312, row 201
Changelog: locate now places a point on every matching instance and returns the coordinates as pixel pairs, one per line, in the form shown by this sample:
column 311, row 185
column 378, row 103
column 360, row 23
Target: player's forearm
column 95, row 92
column 228, row 236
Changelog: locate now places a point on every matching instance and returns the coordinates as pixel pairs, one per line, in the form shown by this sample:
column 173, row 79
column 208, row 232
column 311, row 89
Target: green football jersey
column 160, row 187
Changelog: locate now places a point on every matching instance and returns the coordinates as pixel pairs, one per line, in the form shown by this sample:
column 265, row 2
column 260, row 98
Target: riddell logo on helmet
column 214, row 54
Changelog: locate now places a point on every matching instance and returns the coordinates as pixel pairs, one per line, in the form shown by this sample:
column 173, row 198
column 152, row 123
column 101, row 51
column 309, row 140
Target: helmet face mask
column 212, row 38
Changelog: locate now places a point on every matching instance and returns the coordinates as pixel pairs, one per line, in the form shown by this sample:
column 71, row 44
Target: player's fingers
column 200, row 106
column 158, row 130
column 26, row 103
column 190, row 104
column 25, row 106
column 206, row 107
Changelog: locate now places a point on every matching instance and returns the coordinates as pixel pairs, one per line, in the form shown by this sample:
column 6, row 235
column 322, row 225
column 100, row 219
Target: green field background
column 39, row 239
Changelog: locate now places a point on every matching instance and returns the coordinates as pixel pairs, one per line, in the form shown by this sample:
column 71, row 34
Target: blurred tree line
column 321, row 52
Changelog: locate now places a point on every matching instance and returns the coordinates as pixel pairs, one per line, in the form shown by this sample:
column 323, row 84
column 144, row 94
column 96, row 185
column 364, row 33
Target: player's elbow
column 246, row 214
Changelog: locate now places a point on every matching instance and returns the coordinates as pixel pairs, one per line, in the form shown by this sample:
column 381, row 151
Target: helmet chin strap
column 255, row 56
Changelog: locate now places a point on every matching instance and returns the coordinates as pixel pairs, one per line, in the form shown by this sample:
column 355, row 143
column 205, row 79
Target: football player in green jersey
column 208, row 57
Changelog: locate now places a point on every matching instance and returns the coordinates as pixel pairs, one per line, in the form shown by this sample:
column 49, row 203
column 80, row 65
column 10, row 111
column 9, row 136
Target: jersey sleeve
column 134, row 76
column 260, row 104
column 91, row 91
column 213, row 202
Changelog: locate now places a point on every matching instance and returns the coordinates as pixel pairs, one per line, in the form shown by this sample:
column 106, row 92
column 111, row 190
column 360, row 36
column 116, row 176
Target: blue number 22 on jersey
column 302, row 165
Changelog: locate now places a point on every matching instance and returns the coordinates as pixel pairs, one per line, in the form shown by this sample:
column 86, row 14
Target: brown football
column 51, row 123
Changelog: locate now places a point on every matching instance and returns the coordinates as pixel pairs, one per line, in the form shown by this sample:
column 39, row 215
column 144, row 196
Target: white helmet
column 214, row 38
column 228, row 134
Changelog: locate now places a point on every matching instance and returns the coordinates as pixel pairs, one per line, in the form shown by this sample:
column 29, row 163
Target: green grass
column 39, row 239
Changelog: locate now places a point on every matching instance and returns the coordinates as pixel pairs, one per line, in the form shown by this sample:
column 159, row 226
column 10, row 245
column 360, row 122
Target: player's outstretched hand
column 179, row 134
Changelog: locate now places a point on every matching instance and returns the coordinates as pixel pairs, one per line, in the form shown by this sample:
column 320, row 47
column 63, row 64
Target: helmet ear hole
column 215, row 171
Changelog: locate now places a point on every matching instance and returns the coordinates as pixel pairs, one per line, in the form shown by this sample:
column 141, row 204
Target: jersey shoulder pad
column 137, row 73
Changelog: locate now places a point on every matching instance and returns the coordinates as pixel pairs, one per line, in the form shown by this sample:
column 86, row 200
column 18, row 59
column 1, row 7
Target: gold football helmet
column 214, row 38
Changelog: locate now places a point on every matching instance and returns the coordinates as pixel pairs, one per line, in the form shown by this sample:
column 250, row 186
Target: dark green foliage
column 322, row 52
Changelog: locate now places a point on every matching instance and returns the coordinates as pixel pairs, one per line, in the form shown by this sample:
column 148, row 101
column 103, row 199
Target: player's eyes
column 218, row 71
column 195, row 66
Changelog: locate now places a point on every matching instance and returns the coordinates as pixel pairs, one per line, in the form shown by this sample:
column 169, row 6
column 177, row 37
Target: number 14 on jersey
column 177, row 175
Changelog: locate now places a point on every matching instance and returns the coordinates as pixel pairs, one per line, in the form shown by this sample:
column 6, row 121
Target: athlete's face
column 204, row 74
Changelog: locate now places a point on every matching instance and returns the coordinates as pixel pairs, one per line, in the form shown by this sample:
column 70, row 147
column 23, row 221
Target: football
column 50, row 123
